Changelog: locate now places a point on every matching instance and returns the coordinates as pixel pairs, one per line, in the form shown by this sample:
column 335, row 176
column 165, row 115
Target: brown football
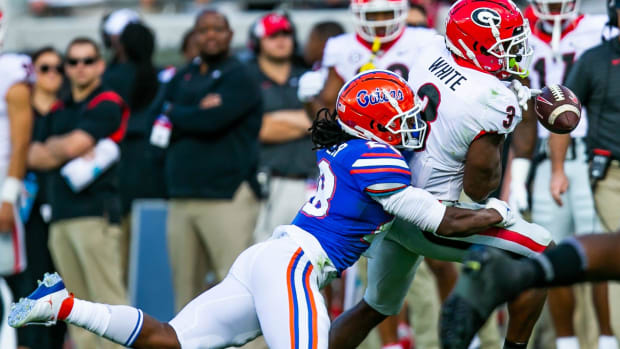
column 558, row 109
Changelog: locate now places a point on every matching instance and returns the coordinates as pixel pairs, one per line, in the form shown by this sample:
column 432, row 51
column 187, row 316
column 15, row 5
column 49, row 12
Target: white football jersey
column 460, row 104
column 347, row 53
column 14, row 68
column 546, row 69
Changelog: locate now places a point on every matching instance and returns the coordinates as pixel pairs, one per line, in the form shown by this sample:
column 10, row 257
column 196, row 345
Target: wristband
column 10, row 190
column 519, row 170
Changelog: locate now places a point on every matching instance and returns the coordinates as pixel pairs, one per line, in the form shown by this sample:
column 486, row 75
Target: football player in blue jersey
column 273, row 287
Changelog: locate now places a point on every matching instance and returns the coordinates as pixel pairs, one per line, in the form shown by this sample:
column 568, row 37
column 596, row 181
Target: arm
column 236, row 98
column 425, row 211
column 59, row 149
column 329, row 94
column 70, row 146
column 284, row 125
column 558, row 145
column 522, row 144
column 20, row 120
column 40, row 158
column 20, row 123
column 578, row 81
column 483, row 166
column 524, row 136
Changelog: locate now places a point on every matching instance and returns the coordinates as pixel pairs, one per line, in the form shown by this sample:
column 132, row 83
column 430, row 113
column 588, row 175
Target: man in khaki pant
column 84, row 232
column 215, row 109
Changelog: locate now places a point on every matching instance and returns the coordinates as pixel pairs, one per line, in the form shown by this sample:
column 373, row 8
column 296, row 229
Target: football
column 558, row 109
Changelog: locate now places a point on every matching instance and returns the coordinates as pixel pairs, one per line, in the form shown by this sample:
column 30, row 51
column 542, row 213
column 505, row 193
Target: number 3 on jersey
column 318, row 205
column 430, row 98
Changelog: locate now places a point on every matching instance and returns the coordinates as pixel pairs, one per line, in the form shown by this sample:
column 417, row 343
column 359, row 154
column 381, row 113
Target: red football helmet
column 490, row 34
column 368, row 28
column 379, row 105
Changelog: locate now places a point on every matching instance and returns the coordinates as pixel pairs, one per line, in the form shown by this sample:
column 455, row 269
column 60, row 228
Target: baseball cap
column 118, row 20
column 271, row 24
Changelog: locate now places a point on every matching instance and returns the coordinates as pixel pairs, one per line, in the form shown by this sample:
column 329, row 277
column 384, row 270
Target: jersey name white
column 459, row 104
column 547, row 69
column 14, row 68
column 347, row 54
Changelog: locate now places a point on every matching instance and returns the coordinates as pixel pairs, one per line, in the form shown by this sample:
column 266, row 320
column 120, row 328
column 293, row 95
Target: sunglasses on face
column 86, row 61
column 46, row 68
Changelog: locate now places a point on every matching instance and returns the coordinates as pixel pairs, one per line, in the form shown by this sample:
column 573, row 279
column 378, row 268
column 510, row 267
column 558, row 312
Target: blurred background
column 35, row 23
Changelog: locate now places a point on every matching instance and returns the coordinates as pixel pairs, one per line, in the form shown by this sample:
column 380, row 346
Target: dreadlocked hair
column 326, row 132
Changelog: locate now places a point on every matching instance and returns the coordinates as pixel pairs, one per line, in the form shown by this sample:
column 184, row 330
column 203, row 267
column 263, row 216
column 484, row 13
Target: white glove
column 310, row 85
column 504, row 210
column 518, row 197
column 522, row 92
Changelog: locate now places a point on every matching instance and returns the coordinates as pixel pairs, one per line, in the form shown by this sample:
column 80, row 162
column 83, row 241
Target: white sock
column 119, row 323
column 567, row 343
column 607, row 342
column 94, row 317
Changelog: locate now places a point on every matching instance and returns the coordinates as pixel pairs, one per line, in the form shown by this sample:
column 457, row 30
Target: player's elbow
column 448, row 227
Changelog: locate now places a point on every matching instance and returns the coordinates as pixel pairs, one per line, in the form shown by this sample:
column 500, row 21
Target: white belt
column 326, row 270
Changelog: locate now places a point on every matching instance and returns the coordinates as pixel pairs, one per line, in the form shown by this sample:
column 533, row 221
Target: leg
column 184, row 249
column 524, row 311
column 292, row 312
column 221, row 317
column 490, row 272
column 423, row 298
column 350, row 328
column 8, row 336
column 229, row 224
column 99, row 254
column 68, row 263
column 559, row 221
column 562, row 308
column 607, row 199
column 391, row 269
column 445, row 276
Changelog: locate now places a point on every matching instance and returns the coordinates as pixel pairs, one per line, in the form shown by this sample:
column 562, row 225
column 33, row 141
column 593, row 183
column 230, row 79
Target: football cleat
column 490, row 277
column 42, row 306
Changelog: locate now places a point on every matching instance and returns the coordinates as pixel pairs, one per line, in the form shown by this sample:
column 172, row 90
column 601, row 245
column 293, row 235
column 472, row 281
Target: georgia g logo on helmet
column 485, row 16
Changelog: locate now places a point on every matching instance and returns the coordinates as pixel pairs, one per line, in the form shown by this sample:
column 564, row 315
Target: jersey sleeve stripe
column 393, row 155
column 381, row 169
column 392, row 190
column 380, row 162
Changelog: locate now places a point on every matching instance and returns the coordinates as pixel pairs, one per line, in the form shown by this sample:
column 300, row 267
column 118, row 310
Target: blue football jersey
column 342, row 212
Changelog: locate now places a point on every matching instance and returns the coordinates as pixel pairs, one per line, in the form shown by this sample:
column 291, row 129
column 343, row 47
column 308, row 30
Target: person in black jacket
column 215, row 108
column 84, row 128
column 139, row 157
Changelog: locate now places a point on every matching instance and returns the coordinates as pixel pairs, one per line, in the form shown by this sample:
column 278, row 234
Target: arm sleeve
column 416, row 206
column 501, row 111
column 578, row 79
column 379, row 170
column 102, row 120
column 239, row 93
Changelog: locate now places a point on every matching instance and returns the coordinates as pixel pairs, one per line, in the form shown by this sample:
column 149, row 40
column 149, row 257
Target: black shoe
column 487, row 280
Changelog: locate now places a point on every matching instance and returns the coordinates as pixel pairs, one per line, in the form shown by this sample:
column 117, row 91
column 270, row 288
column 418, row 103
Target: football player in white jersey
column 15, row 131
column 560, row 35
column 381, row 40
column 469, row 111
